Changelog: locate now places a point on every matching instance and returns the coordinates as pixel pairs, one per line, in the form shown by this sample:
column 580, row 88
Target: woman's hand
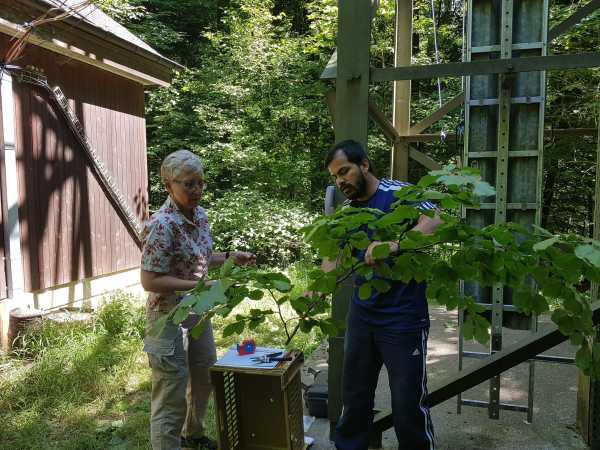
column 243, row 258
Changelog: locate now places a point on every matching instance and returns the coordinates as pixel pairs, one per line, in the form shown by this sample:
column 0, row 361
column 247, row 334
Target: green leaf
column 256, row 294
column 427, row 181
column 381, row 286
column 365, row 291
column 360, row 240
column 590, row 253
column 583, row 358
column 196, row 332
column 543, row 245
column 227, row 267
column 234, row 328
column 483, row 189
column 325, row 284
column 449, row 203
column 299, row 304
column 381, row 251
column 328, row 328
column 181, row 314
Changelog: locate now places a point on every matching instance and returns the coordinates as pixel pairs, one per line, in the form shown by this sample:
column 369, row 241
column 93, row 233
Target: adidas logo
column 416, row 352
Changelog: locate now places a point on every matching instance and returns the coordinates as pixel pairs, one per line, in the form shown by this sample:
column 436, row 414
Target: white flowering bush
column 247, row 220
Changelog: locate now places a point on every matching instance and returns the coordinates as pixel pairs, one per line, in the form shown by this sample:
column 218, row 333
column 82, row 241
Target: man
column 389, row 328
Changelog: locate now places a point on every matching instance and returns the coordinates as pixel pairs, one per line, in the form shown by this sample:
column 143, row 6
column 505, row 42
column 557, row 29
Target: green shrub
column 43, row 334
column 122, row 315
column 247, row 220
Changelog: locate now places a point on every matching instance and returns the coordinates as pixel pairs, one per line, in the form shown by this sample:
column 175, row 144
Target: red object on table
column 247, row 347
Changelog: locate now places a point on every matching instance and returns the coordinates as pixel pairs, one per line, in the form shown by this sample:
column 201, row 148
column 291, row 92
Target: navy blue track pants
column 367, row 348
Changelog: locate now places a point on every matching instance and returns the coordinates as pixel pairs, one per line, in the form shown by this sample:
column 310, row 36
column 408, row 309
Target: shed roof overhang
column 83, row 41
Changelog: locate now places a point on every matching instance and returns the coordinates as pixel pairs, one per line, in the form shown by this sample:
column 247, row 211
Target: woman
column 177, row 253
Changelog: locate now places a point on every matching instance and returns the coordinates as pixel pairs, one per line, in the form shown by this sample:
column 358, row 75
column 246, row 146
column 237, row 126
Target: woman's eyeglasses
column 191, row 185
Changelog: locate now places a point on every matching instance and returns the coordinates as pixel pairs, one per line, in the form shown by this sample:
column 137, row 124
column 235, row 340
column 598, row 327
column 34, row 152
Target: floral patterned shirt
column 176, row 246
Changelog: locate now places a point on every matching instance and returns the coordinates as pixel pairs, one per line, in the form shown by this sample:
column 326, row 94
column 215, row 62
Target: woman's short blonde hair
column 179, row 162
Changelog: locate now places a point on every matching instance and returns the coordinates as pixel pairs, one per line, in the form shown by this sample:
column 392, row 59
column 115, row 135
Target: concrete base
column 555, row 399
column 86, row 293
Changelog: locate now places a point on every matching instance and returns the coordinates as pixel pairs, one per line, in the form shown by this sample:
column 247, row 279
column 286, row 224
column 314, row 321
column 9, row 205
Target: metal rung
column 516, row 206
column 554, row 359
column 513, row 154
column 496, row 48
column 513, row 100
column 485, row 404
column 489, row 306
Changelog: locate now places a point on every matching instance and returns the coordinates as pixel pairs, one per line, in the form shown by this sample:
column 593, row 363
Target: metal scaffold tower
column 504, row 133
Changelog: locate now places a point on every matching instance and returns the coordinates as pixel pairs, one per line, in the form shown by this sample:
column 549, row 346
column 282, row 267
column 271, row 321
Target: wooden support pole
column 588, row 391
column 351, row 120
column 352, row 83
column 401, row 116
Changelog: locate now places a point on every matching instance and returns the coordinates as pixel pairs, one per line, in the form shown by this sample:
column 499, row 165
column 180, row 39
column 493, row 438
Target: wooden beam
column 401, row 99
column 392, row 135
column 422, row 158
column 352, row 84
column 481, row 67
column 496, row 364
column 437, row 115
column 386, row 126
column 573, row 19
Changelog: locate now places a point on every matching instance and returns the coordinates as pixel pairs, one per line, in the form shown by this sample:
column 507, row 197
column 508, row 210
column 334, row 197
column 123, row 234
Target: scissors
column 264, row 359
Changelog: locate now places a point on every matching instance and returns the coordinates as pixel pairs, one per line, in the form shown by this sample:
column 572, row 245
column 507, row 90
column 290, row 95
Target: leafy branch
column 457, row 261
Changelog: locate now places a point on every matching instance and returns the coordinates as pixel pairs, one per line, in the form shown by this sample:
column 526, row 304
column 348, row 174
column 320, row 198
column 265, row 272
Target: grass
column 86, row 385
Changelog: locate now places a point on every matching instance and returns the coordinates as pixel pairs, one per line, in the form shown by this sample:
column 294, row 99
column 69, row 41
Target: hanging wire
column 437, row 53
column 19, row 41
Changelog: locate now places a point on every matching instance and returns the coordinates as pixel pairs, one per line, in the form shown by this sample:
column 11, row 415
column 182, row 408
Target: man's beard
column 357, row 191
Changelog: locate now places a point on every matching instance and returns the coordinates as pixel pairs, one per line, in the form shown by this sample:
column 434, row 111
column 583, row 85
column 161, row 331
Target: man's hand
column 369, row 259
column 244, row 258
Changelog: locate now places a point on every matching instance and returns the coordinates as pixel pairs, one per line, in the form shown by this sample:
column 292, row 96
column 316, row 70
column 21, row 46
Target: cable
column 19, row 41
column 437, row 55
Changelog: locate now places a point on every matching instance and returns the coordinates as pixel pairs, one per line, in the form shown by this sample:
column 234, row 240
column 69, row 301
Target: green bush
column 122, row 315
column 247, row 220
column 44, row 334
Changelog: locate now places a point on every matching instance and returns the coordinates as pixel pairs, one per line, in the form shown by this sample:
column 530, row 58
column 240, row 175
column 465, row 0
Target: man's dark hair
column 355, row 153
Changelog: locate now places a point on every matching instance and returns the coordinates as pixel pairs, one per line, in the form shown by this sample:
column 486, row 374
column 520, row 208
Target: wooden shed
column 62, row 240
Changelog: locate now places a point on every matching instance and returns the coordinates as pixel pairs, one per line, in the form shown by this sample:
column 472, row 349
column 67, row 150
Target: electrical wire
column 437, row 54
column 19, row 42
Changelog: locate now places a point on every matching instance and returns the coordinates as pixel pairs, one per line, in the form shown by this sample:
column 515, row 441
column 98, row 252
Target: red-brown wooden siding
column 69, row 229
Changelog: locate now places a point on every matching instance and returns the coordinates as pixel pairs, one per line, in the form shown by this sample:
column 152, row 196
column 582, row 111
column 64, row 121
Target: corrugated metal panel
column 70, row 230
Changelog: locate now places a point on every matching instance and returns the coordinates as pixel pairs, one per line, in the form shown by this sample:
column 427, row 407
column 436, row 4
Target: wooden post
column 401, row 118
column 351, row 120
column 352, row 82
column 588, row 391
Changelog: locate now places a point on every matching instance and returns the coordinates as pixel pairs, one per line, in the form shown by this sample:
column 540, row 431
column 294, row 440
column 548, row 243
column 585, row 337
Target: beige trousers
column 180, row 381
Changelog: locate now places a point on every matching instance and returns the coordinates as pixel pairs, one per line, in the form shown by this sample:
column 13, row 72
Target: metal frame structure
column 352, row 72
column 509, row 157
